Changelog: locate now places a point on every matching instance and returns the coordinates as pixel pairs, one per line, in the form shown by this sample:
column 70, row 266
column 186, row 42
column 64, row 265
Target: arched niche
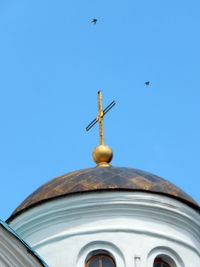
column 101, row 248
column 165, row 255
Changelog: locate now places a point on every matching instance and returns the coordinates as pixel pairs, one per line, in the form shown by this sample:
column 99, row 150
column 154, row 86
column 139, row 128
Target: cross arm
column 111, row 105
column 91, row 124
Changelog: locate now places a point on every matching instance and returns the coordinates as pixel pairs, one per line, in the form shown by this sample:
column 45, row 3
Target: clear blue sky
column 53, row 61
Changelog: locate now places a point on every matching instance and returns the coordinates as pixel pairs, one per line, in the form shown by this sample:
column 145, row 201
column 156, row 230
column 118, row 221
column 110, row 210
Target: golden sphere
column 102, row 155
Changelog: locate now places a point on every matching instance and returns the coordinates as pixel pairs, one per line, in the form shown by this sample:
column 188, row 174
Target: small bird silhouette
column 147, row 83
column 94, row 21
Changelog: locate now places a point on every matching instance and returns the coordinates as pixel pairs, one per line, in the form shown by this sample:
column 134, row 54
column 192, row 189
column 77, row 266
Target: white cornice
column 152, row 209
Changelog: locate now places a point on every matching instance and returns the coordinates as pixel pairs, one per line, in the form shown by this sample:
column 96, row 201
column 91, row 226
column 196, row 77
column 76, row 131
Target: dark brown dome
column 103, row 178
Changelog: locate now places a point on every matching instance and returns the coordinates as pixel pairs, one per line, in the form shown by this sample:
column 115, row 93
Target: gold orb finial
column 102, row 155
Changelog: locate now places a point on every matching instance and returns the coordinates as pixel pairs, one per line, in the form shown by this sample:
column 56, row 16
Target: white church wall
column 133, row 227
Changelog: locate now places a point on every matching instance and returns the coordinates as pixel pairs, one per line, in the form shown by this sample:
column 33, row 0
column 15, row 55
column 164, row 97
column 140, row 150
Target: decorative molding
column 95, row 218
column 110, row 247
column 167, row 254
column 68, row 208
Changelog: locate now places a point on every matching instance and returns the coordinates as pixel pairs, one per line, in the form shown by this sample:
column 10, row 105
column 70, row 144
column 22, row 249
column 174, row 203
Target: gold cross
column 100, row 116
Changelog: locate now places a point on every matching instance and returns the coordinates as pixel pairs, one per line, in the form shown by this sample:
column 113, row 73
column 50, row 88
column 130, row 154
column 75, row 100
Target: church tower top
column 102, row 154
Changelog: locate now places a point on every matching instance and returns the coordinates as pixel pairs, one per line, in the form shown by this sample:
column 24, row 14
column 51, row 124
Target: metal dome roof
column 103, row 178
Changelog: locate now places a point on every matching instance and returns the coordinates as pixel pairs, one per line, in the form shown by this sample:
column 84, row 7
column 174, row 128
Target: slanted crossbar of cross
column 99, row 118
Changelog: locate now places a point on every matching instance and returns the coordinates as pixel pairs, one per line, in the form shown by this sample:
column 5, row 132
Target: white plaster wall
column 134, row 227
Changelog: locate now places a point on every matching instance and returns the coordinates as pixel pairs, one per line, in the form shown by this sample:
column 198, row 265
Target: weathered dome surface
column 103, row 178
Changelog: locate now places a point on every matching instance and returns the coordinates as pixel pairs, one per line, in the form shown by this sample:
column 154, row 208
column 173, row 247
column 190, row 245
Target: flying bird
column 94, row 21
column 147, row 83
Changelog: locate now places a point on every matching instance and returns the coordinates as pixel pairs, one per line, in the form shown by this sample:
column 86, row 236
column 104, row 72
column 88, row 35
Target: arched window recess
column 100, row 260
column 159, row 262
